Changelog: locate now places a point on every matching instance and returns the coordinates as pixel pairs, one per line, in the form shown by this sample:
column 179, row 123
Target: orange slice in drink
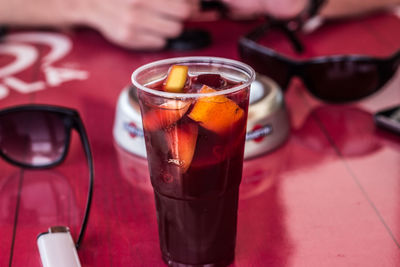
column 165, row 114
column 216, row 113
column 176, row 79
column 182, row 143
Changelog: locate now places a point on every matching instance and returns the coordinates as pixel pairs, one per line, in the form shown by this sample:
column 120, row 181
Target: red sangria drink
column 194, row 113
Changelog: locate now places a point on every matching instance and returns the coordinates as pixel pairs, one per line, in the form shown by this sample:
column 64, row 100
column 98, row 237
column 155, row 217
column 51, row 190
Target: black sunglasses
column 38, row 136
column 335, row 79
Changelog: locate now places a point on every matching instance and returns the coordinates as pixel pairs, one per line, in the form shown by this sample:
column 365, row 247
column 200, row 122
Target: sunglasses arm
column 396, row 59
column 291, row 35
column 85, row 141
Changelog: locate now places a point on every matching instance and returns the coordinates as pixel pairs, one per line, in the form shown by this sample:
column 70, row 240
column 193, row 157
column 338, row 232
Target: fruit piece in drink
column 216, row 113
column 176, row 79
column 182, row 143
column 165, row 114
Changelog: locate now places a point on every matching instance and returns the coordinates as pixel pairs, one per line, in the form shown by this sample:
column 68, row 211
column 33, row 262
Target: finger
column 285, row 8
column 148, row 20
column 129, row 34
column 139, row 41
column 176, row 9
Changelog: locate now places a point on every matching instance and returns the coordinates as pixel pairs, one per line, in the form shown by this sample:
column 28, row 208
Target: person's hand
column 275, row 8
column 137, row 24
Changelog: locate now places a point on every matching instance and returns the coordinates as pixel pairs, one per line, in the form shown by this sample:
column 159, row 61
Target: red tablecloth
column 330, row 196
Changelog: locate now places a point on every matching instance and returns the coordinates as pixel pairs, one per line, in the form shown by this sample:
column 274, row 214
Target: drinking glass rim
column 245, row 68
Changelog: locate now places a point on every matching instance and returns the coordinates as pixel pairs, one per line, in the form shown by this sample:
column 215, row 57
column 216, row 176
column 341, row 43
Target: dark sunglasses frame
column 71, row 120
column 254, row 54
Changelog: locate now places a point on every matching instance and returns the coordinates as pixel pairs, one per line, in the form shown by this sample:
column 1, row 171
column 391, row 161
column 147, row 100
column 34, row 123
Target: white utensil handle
column 57, row 249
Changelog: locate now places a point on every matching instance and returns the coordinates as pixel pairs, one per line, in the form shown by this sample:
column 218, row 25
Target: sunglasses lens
column 342, row 81
column 263, row 63
column 33, row 138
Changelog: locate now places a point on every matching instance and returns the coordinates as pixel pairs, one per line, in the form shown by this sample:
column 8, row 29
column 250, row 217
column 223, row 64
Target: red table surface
column 330, row 196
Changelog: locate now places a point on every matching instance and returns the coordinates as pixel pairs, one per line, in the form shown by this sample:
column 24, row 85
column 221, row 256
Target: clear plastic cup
column 195, row 144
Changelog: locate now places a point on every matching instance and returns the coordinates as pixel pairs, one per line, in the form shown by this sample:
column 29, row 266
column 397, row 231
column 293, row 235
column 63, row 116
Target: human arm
column 290, row 8
column 347, row 8
column 137, row 24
